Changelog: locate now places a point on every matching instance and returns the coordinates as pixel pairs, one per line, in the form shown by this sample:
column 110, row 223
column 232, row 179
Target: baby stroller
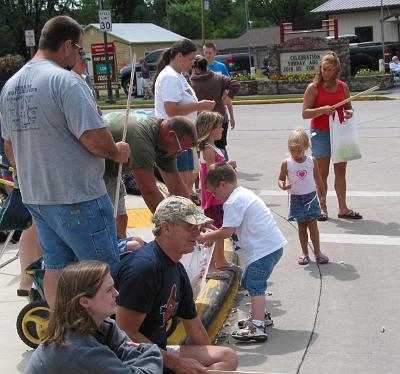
column 13, row 213
column 33, row 318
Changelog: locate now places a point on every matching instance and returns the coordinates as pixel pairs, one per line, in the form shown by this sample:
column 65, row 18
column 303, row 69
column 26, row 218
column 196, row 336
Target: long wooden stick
column 355, row 96
column 128, row 105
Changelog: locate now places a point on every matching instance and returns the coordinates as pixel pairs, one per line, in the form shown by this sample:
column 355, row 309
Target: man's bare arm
column 100, row 143
column 146, row 182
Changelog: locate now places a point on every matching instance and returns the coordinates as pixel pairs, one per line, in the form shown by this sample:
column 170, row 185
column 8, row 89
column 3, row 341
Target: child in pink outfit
column 209, row 129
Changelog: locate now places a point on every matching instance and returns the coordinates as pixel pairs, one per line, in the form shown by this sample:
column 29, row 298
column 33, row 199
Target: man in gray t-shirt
column 57, row 141
column 152, row 141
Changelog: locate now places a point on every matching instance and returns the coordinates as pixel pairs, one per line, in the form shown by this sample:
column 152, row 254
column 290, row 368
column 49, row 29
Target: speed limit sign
column 105, row 20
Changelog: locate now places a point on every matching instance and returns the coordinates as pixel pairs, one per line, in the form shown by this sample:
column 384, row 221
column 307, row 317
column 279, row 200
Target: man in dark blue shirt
column 153, row 287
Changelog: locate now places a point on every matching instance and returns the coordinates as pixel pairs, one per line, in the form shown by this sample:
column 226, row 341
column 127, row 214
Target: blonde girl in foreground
column 301, row 178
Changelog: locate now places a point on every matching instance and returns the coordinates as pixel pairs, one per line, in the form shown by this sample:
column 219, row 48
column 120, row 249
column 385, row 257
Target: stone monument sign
column 302, row 55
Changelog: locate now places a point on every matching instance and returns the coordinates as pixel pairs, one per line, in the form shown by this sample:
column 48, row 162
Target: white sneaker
column 267, row 320
column 250, row 332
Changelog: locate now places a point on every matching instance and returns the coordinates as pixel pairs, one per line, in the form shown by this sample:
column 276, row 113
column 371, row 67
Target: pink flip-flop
column 303, row 260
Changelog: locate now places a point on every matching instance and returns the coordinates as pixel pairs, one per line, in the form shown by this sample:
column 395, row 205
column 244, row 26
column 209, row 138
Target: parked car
column 125, row 73
column 235, row 62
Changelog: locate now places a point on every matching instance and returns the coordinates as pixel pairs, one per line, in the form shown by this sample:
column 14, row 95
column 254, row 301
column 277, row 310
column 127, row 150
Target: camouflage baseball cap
column 176, row 208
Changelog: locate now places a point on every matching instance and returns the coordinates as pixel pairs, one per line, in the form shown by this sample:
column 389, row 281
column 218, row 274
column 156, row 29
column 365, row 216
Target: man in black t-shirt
column 153, row 287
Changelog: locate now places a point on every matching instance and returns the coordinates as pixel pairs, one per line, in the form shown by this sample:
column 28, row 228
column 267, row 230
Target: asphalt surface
column 341, row 317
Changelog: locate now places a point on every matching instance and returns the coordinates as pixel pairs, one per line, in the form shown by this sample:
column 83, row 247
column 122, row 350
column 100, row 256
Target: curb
column 214, row 304
column 251, row 102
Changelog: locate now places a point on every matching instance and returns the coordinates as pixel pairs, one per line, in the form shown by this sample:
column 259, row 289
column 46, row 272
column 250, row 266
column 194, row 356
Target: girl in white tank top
column 301, row 178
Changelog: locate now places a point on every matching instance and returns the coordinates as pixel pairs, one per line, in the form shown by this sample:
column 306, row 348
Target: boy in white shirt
column 257, row 241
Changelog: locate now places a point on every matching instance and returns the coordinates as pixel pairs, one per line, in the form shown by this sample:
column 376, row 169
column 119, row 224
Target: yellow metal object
column 139, row 218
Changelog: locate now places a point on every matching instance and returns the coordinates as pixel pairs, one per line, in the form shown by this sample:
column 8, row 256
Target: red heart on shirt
column 302, row 174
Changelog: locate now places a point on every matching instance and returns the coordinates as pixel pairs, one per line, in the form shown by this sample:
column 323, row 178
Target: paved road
column 330, row 321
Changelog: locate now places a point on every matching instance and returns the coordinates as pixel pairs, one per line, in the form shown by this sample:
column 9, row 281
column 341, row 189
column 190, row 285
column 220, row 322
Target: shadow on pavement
column 342, row 272
column 374, row 227
column 249, row 177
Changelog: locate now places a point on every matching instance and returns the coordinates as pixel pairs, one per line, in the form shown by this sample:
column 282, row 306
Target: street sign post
column 30, row 41
column 105, row 20
column 106, row 25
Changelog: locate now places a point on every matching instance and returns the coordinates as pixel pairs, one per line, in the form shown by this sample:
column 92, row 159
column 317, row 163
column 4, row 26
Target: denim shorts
column 255, row 276
column 304, row 207
column 185, row 161
column 81, row 231
column 320, row 143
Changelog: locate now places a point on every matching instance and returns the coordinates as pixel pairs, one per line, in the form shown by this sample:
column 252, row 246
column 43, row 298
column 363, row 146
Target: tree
column 19, row 15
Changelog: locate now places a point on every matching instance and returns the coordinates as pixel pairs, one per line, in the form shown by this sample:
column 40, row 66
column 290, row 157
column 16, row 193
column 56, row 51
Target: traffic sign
column 30, row 38
column 105, row 20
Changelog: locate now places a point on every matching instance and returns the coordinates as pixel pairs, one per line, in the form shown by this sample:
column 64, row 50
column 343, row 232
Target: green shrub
column 244, row 77
column 368, row 72
column 292, row 77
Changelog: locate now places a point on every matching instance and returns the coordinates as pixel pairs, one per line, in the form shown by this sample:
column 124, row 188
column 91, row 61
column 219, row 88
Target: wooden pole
column 128, row 105
column 355, row 96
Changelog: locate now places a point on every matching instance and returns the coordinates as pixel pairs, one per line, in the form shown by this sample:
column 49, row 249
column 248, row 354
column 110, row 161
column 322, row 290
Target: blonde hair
column 298, row 138
column 82, row 279
column 205, row 123
column 331, row 59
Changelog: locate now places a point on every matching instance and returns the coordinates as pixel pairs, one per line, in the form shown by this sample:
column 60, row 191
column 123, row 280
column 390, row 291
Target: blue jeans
column 255, row 276
column 81, row 231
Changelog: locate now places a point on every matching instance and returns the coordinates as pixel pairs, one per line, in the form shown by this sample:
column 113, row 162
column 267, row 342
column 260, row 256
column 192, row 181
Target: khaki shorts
column 111, row 185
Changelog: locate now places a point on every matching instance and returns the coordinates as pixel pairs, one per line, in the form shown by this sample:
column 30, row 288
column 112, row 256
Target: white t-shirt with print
column 172, row 86
column 256, row 232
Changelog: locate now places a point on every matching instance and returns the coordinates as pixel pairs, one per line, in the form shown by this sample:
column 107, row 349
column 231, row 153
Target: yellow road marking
column 139, row 218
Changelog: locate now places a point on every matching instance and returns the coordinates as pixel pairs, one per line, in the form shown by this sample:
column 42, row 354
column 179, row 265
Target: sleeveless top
column 328, row 98
column 207, row 199
column 301, row 176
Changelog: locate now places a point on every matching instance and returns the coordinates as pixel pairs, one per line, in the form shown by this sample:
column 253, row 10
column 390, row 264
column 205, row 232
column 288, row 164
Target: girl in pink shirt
column 301, row 178
column 209, row 129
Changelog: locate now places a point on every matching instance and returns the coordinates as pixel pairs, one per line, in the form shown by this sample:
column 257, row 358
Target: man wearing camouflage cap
column 154, row 286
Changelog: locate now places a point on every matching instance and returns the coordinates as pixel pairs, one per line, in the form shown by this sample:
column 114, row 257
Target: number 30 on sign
column 105, row 20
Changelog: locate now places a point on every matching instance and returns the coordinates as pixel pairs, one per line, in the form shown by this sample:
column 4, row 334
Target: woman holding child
column 325, row 91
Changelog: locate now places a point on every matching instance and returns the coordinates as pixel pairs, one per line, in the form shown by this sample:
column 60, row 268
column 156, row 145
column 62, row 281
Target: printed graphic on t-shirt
column 22, row 112
column 169, row 309
column 301, row 174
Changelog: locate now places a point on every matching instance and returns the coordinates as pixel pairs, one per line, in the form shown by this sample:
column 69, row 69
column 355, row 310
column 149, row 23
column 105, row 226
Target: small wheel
column 125, row 87
column 32, row 322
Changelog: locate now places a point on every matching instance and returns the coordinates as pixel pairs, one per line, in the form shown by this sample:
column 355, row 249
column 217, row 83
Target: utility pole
column 246, row 11
column 167, row 15
column 383, row 35
column 202, row 22
column 110, row 99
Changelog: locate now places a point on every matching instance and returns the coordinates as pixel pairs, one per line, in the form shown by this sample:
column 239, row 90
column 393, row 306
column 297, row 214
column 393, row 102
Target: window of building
column 365, row 33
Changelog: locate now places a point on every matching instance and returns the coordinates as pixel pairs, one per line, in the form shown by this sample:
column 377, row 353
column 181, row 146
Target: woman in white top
column 175, row 97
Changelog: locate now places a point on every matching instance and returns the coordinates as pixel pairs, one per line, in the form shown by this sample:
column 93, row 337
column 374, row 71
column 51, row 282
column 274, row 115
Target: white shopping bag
column 196, row 264
column 345, row 145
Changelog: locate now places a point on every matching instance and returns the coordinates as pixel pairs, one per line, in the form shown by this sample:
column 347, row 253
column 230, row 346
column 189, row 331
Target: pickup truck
column 364, row 55
column 235, row 62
